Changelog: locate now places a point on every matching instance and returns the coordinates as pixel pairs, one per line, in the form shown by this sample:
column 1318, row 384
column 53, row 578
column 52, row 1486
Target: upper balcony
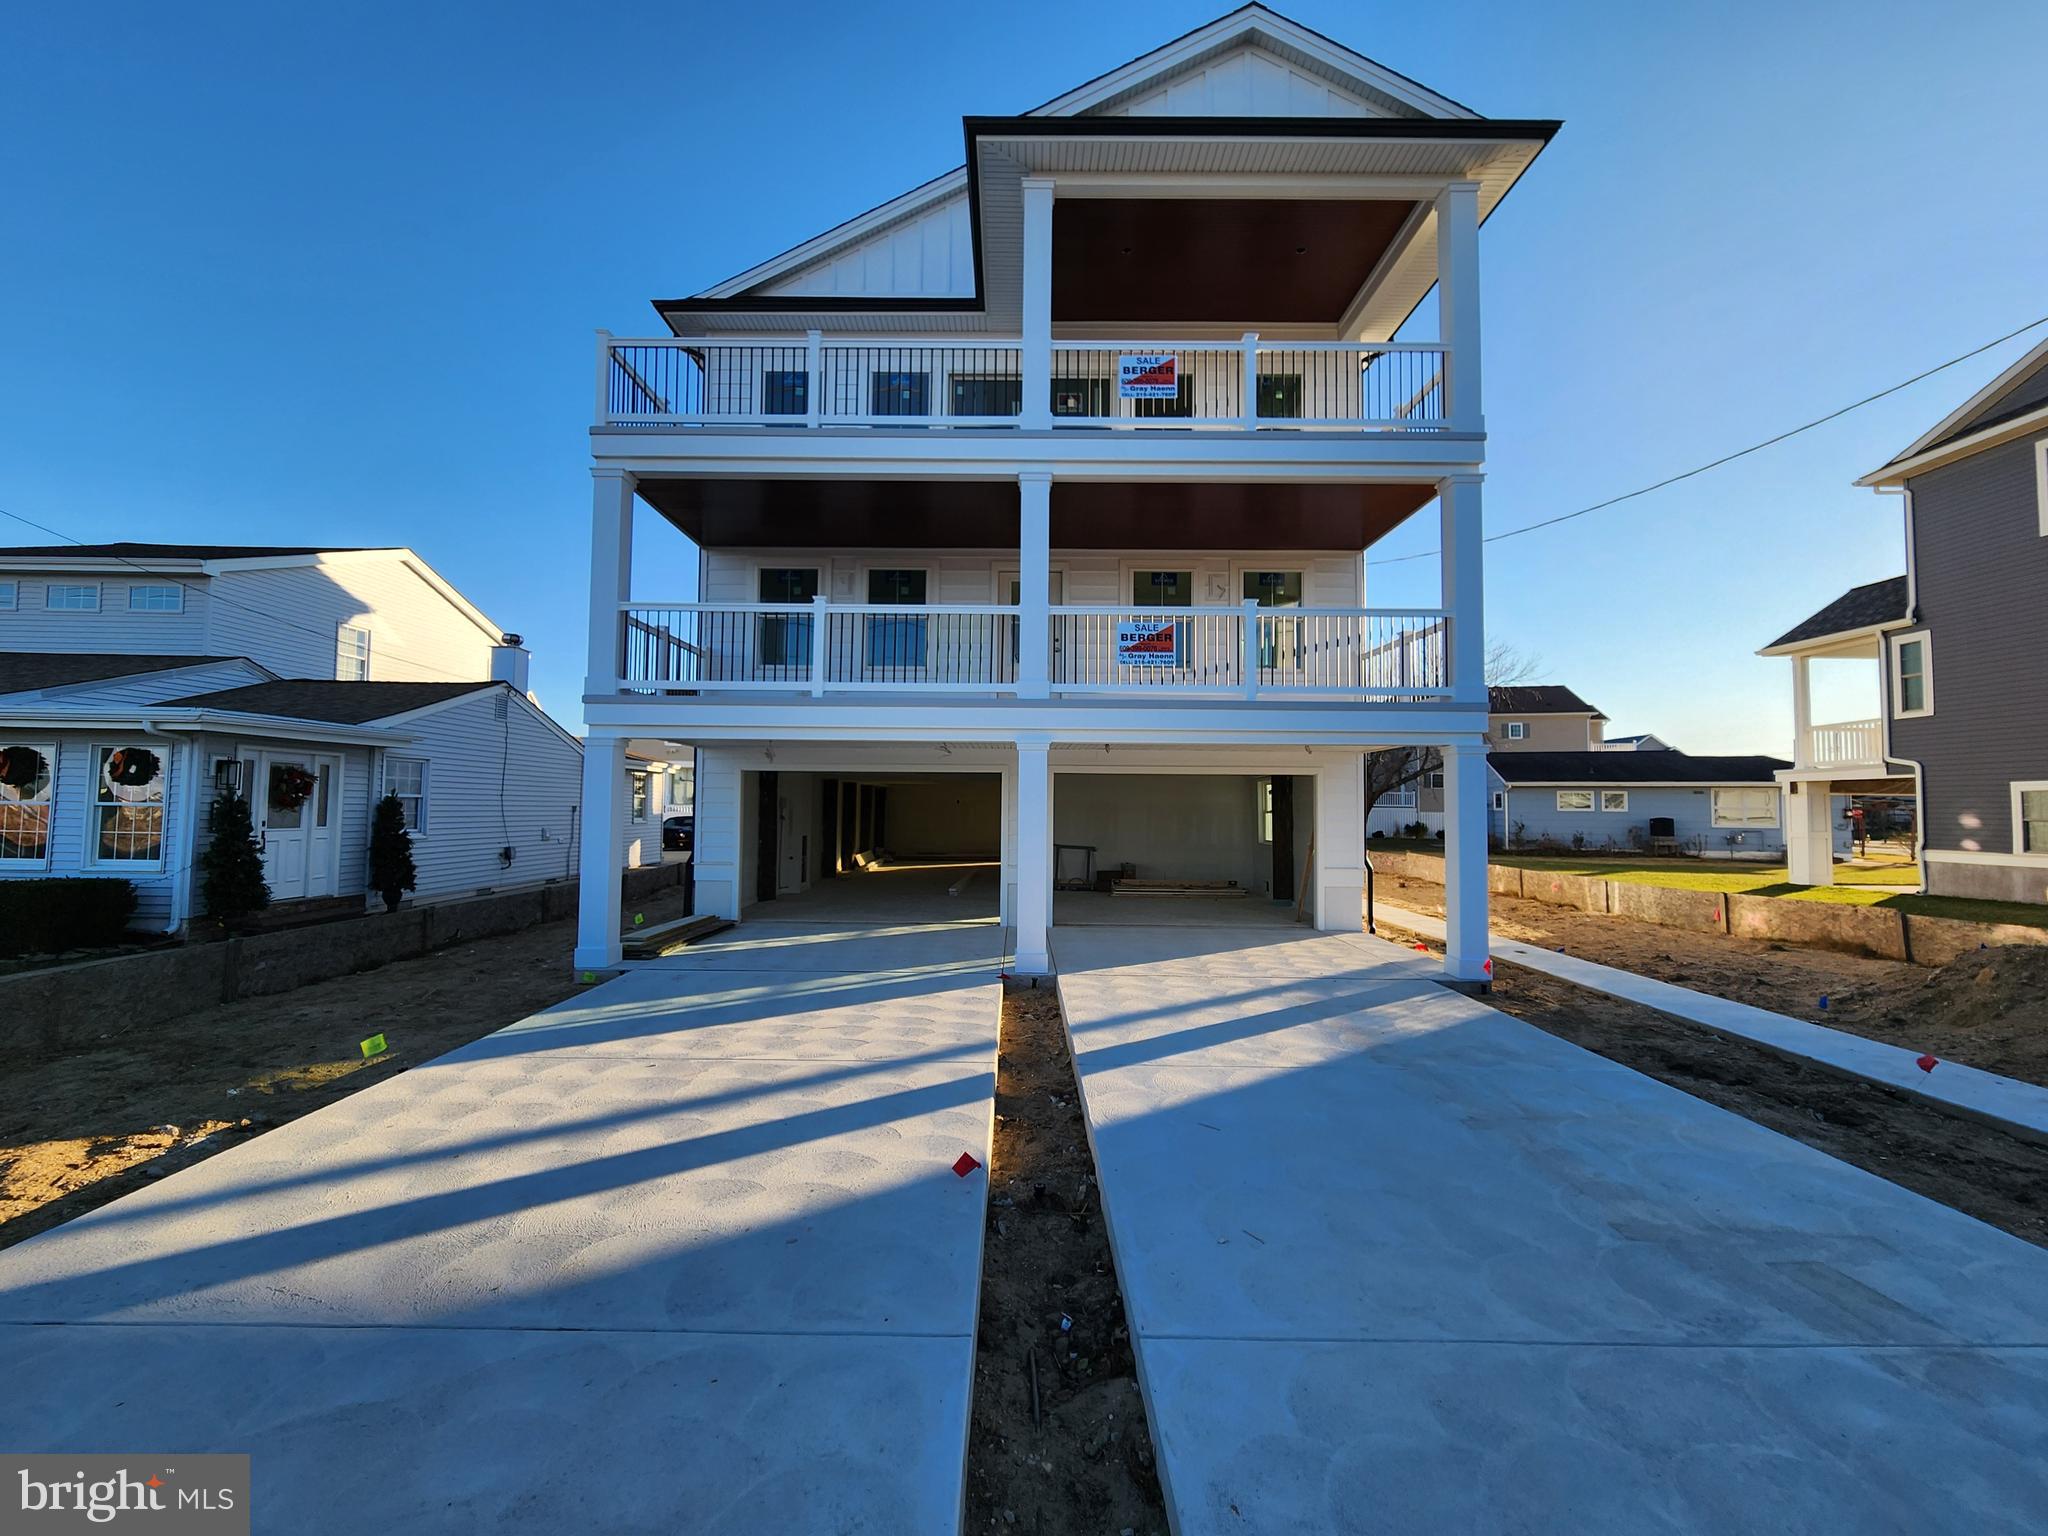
column 1248, row 385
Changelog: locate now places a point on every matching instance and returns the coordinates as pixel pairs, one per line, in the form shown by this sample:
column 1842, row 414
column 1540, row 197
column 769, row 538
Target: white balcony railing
column 1245, row 385
column 1847, row 742
column 828, row 648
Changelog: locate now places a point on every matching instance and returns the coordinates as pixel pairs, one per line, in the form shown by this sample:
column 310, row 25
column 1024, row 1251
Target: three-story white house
column 1035, row 506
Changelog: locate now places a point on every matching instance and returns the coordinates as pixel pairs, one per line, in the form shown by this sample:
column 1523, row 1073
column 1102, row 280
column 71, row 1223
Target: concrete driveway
column 1398, row 1262
column 685, row 1253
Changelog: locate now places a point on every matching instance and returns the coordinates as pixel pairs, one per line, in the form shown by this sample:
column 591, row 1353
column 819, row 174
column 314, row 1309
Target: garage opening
column 1208, row 849
column 919, row 847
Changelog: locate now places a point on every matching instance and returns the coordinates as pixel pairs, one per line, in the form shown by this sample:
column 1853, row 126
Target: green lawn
column 1856, row 886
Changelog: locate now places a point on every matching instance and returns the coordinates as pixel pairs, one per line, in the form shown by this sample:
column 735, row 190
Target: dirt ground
column 1070, row 1453
column 1988, row 1009
column 81, row 1127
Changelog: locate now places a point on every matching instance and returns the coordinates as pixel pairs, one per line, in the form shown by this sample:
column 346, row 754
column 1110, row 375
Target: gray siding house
column 1960, row 642
column 1717, row 807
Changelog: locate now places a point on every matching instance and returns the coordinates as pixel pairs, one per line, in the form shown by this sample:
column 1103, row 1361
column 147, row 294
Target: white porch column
column 598, row 862
column 1802, row 713
column 1466, row 955
column 1809, row 833
column 1034, row 856
column 1464, row 585
column 1457, row 278
column 1037, row 352
column 1034, row 585
column 1336, row 869
column 611, row 575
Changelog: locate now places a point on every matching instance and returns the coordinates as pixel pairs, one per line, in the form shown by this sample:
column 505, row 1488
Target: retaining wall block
column 1851, row 930
column 1700, row 911
column 1938, row 940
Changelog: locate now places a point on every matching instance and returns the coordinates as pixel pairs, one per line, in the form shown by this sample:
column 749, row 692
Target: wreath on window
column 289, row 786
column 22, row 768
column 133, row 766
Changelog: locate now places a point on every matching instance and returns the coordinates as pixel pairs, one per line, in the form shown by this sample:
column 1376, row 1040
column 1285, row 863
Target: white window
column 406, row 777
column 1613, row 799
column 1575, row 799
column 351, row 653
column 1500, row 800
column 1745, row 807
column 2030, row 818
column 73, row 597
column 1433, row 781
column 157, row 597
column 637, row 784
column 1263, row 804
column 128, row 805
column 1912, row 676
column 1517, row 730
column 28, row 774
column 10, row 593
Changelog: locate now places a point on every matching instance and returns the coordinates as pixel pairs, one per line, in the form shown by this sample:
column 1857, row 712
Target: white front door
column 299, row 842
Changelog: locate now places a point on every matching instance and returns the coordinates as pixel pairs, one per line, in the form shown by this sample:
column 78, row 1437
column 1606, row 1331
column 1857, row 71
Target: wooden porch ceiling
column 1245, row 262
column 977, row 514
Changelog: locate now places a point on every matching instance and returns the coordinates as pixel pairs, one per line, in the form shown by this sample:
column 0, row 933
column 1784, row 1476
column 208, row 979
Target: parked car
column 678, row 832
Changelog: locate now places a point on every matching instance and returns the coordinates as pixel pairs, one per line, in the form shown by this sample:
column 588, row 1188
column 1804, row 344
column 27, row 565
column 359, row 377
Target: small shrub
column 1518, row 834
column 1578, row 842
column 1439, row 834
column 391, row 868
column 1377, row 836
column 232, row 866
column 41, row 917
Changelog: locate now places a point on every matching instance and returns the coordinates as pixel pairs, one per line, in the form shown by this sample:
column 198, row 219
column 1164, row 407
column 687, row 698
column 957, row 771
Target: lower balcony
column 1844, row 744
column 1366, row 655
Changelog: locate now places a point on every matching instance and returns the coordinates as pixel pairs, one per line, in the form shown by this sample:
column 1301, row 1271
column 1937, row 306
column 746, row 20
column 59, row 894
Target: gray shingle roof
column 1538, row 699
column 334, row 703
column 1671, row 767
column 24, row 671
column 125, row 551
column 1876, row 602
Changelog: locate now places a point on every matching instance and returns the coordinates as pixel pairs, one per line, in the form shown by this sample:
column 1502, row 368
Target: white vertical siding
column 931, row 254
column 471, row 747
column 1249, row 82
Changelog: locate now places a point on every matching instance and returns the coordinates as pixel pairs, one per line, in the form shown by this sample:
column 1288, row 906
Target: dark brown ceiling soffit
column 973, row 128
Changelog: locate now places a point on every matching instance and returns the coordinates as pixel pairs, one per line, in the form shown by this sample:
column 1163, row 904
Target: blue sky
column 279, row 274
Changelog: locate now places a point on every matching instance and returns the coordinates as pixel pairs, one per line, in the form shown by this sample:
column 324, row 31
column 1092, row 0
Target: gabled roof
column 32, row 671
column 335, row 703
column 1618, row 768
column 130, row 551
column 2004, row 400
column 1859, row 608
column 1538, row 699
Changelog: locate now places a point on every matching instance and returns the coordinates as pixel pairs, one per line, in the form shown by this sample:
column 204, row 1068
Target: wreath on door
column 133, row 766
column 289, row 786
column 22, row 768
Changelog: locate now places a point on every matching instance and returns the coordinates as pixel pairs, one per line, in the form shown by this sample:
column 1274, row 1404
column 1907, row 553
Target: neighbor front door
column 299, row 840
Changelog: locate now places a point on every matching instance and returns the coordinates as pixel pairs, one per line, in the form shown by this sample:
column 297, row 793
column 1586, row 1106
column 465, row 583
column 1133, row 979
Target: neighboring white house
column 1035, row 505
column 124, row 710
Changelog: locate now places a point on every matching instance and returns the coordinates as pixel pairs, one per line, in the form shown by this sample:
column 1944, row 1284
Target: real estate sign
column 1147, row 376
column 1147, row 643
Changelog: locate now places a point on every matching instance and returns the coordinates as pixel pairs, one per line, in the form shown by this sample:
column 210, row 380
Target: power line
column 1729, row 458
column 213, row 595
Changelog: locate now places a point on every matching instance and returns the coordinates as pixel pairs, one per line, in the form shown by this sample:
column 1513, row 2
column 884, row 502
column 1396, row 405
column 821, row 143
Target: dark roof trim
column 973, row 128
column 1860, row 608
column 1574, row 770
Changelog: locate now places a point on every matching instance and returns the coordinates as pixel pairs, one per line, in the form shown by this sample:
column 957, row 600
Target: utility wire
column 215, row 596
column 1729, row 458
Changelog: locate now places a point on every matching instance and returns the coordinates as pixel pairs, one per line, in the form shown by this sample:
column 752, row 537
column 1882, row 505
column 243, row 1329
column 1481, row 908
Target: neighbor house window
column 785, row 392
column 73, row 597
column 1264, row 803
column 10, row 593
column 128, row 806
column 406, row 778
column 637, row 783
column 1432, row 781
column 161, row 597
column 351, row 653
column 1575, row 799
column 2030, row 818
column 28, row 773
column 1912, row 684
column 784, row 639
column 1500, row 800
column 1613, row 799
column 1517, row 730
column 1745, row 807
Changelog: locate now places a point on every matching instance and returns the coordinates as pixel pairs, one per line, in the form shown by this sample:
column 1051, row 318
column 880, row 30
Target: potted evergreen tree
column 391, row 868
column 233, row 863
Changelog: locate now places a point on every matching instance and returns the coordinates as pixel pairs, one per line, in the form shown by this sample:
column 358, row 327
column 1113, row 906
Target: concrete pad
column 1394, row 1259
column 480, row 1430
column 908, row 948
column 2021, row 1108
column 684, row 1252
